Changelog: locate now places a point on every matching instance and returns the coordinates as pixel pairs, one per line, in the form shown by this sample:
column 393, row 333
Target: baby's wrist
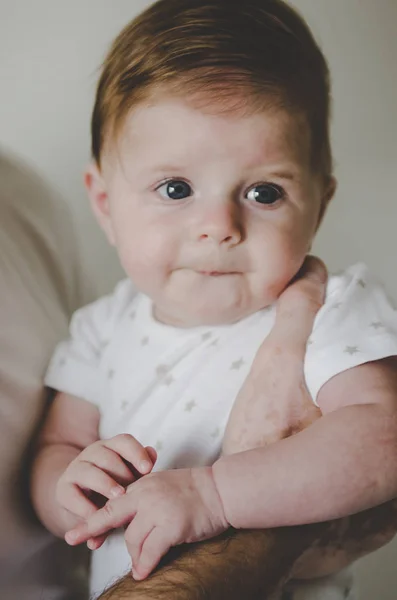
column 206, row 485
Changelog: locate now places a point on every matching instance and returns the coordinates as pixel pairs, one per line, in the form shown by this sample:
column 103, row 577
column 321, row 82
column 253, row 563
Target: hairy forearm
column 256, row 564
column 50, row 462
column 325, row 472
column 239, row 564
column 347, row 540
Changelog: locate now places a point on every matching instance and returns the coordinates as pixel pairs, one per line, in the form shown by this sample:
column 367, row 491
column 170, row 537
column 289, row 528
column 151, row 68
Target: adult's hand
column 274, row 402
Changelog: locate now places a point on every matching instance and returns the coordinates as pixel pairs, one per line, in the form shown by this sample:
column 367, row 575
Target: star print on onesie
column 173, row 389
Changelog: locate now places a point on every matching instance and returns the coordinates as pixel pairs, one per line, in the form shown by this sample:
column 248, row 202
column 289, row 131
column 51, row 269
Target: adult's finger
column 152, row 453
column 298, row 305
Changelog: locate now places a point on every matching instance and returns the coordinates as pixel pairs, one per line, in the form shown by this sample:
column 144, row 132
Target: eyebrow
column 174, row 169
column 162, row 169
column 290, row 175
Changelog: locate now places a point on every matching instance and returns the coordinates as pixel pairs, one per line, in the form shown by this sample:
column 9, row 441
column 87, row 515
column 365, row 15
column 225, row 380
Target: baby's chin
column 198, row 319
column 189, row 300
column 211, row 313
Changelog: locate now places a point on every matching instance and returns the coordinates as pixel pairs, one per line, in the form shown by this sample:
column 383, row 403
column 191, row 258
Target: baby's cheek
column 278, row 264
column 146, row 265
column 292, row 253
column 139, row 249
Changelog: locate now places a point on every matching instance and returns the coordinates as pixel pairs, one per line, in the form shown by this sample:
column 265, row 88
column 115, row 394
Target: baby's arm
column 284, row 407
column 73, row 469
column 343, row 463
column 71, row 426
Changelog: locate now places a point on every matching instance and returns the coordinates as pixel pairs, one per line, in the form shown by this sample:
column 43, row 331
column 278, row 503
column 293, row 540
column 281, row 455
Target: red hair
column 256, row 53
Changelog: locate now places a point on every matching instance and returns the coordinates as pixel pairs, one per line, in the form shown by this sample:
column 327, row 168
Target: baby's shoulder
column 357, row 324
column 352, row 295
column 104, row 314
column 122, row 301
column 348, row 281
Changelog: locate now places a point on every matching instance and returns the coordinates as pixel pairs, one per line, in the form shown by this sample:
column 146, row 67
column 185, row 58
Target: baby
column 212, row 172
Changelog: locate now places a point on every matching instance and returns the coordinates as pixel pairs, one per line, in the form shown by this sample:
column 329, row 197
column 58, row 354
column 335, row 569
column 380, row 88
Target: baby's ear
column 97, row 193
column 328, row 193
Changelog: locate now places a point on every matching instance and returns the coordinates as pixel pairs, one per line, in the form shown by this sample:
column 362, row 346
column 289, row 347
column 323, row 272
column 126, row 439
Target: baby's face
column 212, row 215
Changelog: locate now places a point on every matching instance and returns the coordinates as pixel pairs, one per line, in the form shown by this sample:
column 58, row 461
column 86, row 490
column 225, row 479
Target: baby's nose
column 221, row 225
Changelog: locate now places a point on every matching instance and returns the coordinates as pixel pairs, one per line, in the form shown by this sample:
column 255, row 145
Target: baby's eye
column 175, row 190
column 265, row 193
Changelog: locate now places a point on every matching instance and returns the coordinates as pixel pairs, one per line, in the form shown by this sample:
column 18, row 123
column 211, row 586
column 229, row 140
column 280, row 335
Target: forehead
column 183, row 133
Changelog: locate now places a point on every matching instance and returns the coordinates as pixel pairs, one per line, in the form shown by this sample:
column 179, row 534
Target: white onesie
column 174, row 388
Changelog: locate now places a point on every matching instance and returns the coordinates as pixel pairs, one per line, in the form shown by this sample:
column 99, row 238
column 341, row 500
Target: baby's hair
column 223, row 55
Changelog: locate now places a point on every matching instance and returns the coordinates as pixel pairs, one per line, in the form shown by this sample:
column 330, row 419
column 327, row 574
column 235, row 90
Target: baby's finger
column 132, row 451
column 135, row 535
column 155, row 546
column 74, row 500
column 110, row 462
column 114, row 514
column 298, row 305
column 91, row 478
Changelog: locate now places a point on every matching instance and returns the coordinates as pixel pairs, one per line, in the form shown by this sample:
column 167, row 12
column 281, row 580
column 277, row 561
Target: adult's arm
column 238, row 564
column 256, row 564
column 288, row 410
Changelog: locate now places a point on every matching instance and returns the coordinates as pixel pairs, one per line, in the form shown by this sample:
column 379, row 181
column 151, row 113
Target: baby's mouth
column 217, row 273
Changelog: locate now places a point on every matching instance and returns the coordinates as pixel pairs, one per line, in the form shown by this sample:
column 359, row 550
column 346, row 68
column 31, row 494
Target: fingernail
column 91, row 545
column 145, row 465
column 71, row 537
column 318, row 274
column 117, row 491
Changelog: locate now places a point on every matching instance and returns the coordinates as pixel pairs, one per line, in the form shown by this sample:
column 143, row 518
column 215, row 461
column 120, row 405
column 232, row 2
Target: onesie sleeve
column 75, row 365
column 357, row 324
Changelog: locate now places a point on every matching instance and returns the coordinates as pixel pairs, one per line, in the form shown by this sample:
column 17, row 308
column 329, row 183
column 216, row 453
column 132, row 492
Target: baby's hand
column 161, row 510
column 102, row 471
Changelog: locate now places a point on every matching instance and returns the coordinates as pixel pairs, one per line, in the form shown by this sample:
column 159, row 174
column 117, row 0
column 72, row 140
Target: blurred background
column 50, row 55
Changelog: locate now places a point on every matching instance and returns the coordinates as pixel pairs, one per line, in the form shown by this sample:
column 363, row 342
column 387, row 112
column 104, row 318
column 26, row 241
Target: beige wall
column 49, row 54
